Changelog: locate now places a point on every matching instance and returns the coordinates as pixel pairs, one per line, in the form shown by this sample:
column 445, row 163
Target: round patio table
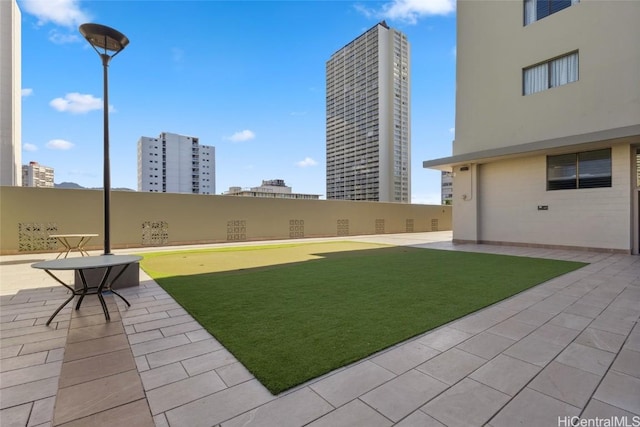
column 82, row 264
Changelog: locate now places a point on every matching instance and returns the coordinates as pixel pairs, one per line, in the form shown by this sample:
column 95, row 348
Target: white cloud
column 27, row 92
column 308, row 161
column 60, row 12
column 29, row 147
column 244, row 135
column 77, row 103
column 410, row 11
column 58, row 37
column 59, row 144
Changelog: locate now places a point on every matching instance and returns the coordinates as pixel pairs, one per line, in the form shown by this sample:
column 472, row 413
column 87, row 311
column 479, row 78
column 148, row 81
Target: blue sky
column 247, row 77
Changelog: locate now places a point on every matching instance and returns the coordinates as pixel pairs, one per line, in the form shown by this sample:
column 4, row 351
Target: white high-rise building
column 37, row 175
column 10, row 94
column 173, row 163
column 368, row 107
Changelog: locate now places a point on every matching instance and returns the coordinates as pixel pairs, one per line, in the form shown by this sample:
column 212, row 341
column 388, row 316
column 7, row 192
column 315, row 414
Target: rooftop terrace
column 565, row 348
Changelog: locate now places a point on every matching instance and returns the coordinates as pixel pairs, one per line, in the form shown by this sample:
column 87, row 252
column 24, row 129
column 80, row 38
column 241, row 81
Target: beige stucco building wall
column 157, row 219
column 493, row 48
column 503, row 137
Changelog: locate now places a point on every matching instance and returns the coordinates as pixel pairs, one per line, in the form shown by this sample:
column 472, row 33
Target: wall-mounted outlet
column 543, row 207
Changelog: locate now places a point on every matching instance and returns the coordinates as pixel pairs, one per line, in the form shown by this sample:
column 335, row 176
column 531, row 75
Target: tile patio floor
column 568, row 347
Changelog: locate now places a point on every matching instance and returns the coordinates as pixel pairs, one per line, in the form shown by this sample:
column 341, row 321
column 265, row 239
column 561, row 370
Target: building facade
column 173, row 163
column 368, row 118
column 271, row 188
column 10, row 94
column 547, row 124
column 37, row 175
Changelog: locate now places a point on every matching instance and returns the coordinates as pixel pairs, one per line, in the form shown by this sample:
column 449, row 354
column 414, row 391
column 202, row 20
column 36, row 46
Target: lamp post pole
column 108, row 40
column 106, row 168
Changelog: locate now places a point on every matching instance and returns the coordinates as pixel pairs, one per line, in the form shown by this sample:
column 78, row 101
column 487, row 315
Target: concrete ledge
column 131, row 277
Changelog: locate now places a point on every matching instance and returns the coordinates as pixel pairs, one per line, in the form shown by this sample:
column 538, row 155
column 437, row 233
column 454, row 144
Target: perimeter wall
column 29, row 215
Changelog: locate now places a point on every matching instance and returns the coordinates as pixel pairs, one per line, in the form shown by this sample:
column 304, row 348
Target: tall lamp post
column 107, row 42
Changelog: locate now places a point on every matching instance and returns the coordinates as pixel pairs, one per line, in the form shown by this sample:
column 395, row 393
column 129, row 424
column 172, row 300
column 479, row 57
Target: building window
column 535, row 10
column 589, row 169
column 556, row 72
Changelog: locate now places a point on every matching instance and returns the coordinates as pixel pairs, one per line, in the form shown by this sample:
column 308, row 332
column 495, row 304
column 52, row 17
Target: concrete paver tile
column 513, row 329
column 451, row 366
column 571, row 385
column 603, row 340
column 96, row 319
column 405, row 357
column 533, row 317
column 505, row 374
column 101, row 330
column 132, row 414
column 419, row 419
column 99, row 366
column 627, row 362
column 348, row 384
column 468, row 403
column 444, row 338
column 583, row 309
column 598, row 409
column 45, row 345
column 17, row 362
column 571, row 321
column 178, row 393
column 533, row 409
column 534, row 350
column 555, row 334
column 294, row 409
column 620, row 390
column 42, row 411
column 183, row 352
column 352, row 414
column 486, row 344
column 208, row 362
column 136, row 338
column 233, row 374
column 158, row 344
column 221, row 406
column 16, row 415
column 55, row 355
column 26, row 393
column 33, row 338
column 144, row 318
column 94, row 347
column 29, row 374
column 587, row 358
column 181, row 328
column 399, row 397
column 82, row 400
column 162, row 323
column 10, row 351
column 199, row 335
column 163, row 375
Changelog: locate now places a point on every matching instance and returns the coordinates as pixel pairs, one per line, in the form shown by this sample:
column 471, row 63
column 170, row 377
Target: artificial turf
column 290, row 313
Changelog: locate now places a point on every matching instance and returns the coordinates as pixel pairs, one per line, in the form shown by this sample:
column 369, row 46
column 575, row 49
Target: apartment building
column 368, row 118
column 547, row 124
column 10, row 94
column 173, row 163
column 271, row 188
column 37, row 175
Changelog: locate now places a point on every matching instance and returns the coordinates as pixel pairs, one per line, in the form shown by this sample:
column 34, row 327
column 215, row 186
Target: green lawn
column 293, row 312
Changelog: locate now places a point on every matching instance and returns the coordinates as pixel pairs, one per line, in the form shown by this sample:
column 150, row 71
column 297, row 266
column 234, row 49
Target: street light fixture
column 107, row 42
